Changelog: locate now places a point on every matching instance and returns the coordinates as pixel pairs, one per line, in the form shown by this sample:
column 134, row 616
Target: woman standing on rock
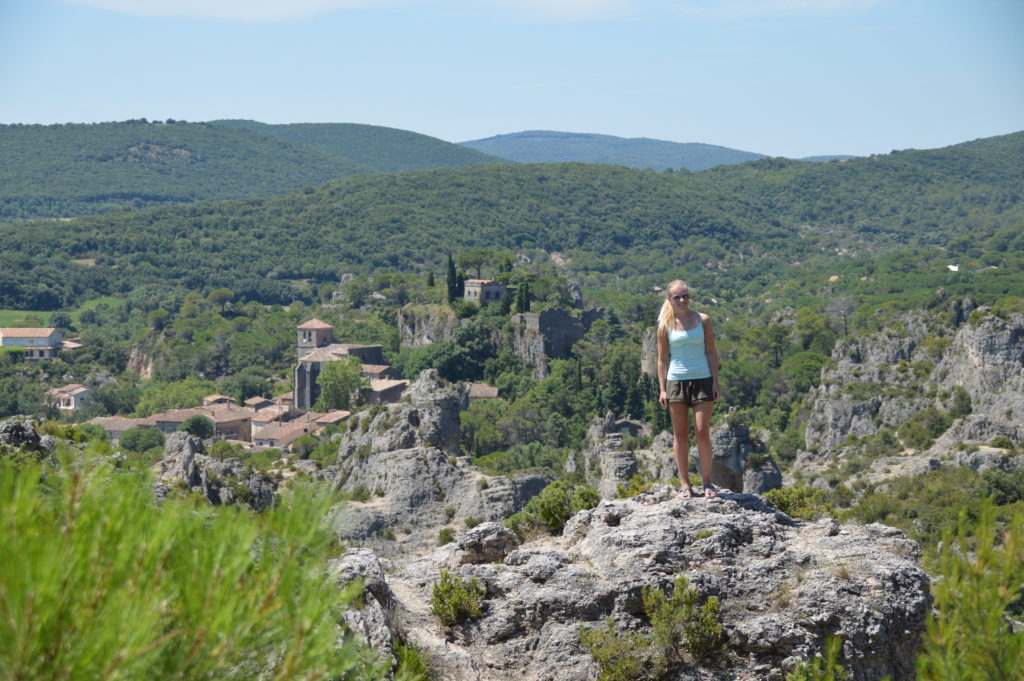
column 688, row 376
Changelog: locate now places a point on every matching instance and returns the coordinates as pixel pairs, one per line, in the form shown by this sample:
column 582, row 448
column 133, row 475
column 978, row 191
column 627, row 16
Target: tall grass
column 99, row 582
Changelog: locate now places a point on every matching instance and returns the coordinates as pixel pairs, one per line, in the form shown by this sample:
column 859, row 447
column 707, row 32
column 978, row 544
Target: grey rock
column 607, row 463
column 762, row 478
column 422, row 325
column 185, row 465
column 782, row 586
column 372, row 620
column 486, row 543
column 20, row 432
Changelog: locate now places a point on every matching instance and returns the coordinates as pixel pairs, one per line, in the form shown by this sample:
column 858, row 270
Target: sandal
column 710, row 491
column 686, row 493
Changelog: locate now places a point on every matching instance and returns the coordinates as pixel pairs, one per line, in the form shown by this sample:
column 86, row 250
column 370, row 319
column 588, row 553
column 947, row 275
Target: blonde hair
column 667, row 317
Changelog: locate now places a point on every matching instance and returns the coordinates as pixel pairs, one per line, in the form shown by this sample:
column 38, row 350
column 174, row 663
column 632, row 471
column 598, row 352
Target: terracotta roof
column 121, row 423
column 71, row 345
column 375, row 368
column 23, row 332
column 315, row 324
column 72, row 389
column 284, row 433
column 252, row 401
column 322, row 355
column 481, row 281
column 381, row 384
column 336, row 416
column 481, row 390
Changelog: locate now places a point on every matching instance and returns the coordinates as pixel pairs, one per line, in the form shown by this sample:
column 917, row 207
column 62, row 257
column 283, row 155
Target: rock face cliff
column 549, row 334
column 420, row 325
column 186, row 466
column 401, row 459
column 971, row 375
column 609, row 461
column 782, row 587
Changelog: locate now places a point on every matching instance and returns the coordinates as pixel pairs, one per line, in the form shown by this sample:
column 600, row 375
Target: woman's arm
column 663, row 361
column 712, row 353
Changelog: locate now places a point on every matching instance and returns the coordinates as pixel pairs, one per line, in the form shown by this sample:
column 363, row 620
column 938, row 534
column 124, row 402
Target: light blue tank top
column 686, row 350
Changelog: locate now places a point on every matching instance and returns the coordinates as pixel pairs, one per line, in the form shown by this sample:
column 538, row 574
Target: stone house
column 114, row 426
column 315, row 347
column 230, row 422
column 282, row 435
column 71, row 396
column 484, row 291
column 41, row 343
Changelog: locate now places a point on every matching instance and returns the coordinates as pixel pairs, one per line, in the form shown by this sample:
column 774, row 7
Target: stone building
column 316, row 346
column 484, row 291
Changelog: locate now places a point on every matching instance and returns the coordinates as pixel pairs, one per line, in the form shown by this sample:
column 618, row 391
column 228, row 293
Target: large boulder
column 783, row 587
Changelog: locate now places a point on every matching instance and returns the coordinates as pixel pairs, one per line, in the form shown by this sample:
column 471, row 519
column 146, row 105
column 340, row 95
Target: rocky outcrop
column 140, row 363
column 607, row 463
column 186, row 467
column 782, row 587
column 548, row 334
column 421, row 325
column 19, row 432
column 400, row 463
column 883, row 379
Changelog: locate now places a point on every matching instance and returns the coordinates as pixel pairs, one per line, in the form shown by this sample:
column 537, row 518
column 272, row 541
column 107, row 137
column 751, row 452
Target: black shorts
column 692, row 391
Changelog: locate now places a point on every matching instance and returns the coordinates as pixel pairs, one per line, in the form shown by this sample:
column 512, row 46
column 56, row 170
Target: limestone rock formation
column 783, row 587
column 421, row 325
column 400, row 462
column 19, row 432
column 882, row 380
column 186, row 466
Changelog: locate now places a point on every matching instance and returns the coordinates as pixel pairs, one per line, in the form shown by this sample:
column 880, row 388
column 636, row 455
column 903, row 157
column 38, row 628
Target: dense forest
column 59, row 171
column 384, row 149
column 729, row 230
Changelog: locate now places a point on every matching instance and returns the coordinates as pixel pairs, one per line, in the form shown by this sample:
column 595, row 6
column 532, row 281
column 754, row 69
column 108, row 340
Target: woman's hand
column 715, row 392
column 663, row 398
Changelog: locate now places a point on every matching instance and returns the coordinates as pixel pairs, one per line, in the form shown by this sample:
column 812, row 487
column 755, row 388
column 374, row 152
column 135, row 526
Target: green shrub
column 361, row 493
column 822, row 668
column 140, row 439
column 472, row 521
column 445, row 536
column 101, row 583
column 454, row 600
column 678, row 622
column 198, row 426
column 921, row 429
column 411, row 663
column 981, row 583
column 550, row 509
column 800, row 502
column 1002, row 442
column 678, row 626
column 620, row 655
column 637, row 485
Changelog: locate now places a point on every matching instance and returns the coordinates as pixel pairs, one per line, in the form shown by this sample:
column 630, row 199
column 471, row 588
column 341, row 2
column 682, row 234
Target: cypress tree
column 451, row 278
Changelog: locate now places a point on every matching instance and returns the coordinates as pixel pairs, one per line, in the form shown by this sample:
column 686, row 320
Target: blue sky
column 781, row 77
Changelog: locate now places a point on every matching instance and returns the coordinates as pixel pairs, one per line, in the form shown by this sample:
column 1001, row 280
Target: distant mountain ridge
column 547, row 146
column 64, row 170
column 381, row 148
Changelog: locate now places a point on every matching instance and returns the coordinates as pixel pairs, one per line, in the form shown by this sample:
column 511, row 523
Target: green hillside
column 384, row 149
column 546, row 146
column 732, row 230
column 73, row 169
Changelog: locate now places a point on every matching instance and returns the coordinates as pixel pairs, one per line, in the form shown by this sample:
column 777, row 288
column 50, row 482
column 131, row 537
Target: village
column 260, row 423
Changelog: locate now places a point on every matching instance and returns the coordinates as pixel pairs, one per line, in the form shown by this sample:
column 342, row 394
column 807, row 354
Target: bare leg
column 702, row 422
column 681, row 440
